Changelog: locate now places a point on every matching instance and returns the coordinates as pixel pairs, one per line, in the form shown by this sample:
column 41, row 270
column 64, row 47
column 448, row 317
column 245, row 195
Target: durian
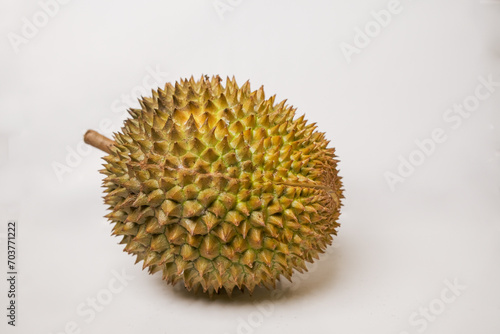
column 220, row 188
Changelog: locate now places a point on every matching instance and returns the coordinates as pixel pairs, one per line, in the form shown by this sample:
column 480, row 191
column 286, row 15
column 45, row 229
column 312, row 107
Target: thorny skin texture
column 218, row 187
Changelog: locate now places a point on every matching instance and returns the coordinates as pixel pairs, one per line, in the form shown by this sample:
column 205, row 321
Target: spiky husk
column 220, row 188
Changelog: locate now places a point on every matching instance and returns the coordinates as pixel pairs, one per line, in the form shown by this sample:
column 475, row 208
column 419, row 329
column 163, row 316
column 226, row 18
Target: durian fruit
column 218, row 187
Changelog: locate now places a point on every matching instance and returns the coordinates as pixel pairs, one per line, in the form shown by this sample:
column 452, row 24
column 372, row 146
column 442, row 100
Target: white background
column 395, row 249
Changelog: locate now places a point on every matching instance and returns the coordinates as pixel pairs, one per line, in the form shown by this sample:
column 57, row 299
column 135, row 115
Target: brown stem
column 97, row 140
